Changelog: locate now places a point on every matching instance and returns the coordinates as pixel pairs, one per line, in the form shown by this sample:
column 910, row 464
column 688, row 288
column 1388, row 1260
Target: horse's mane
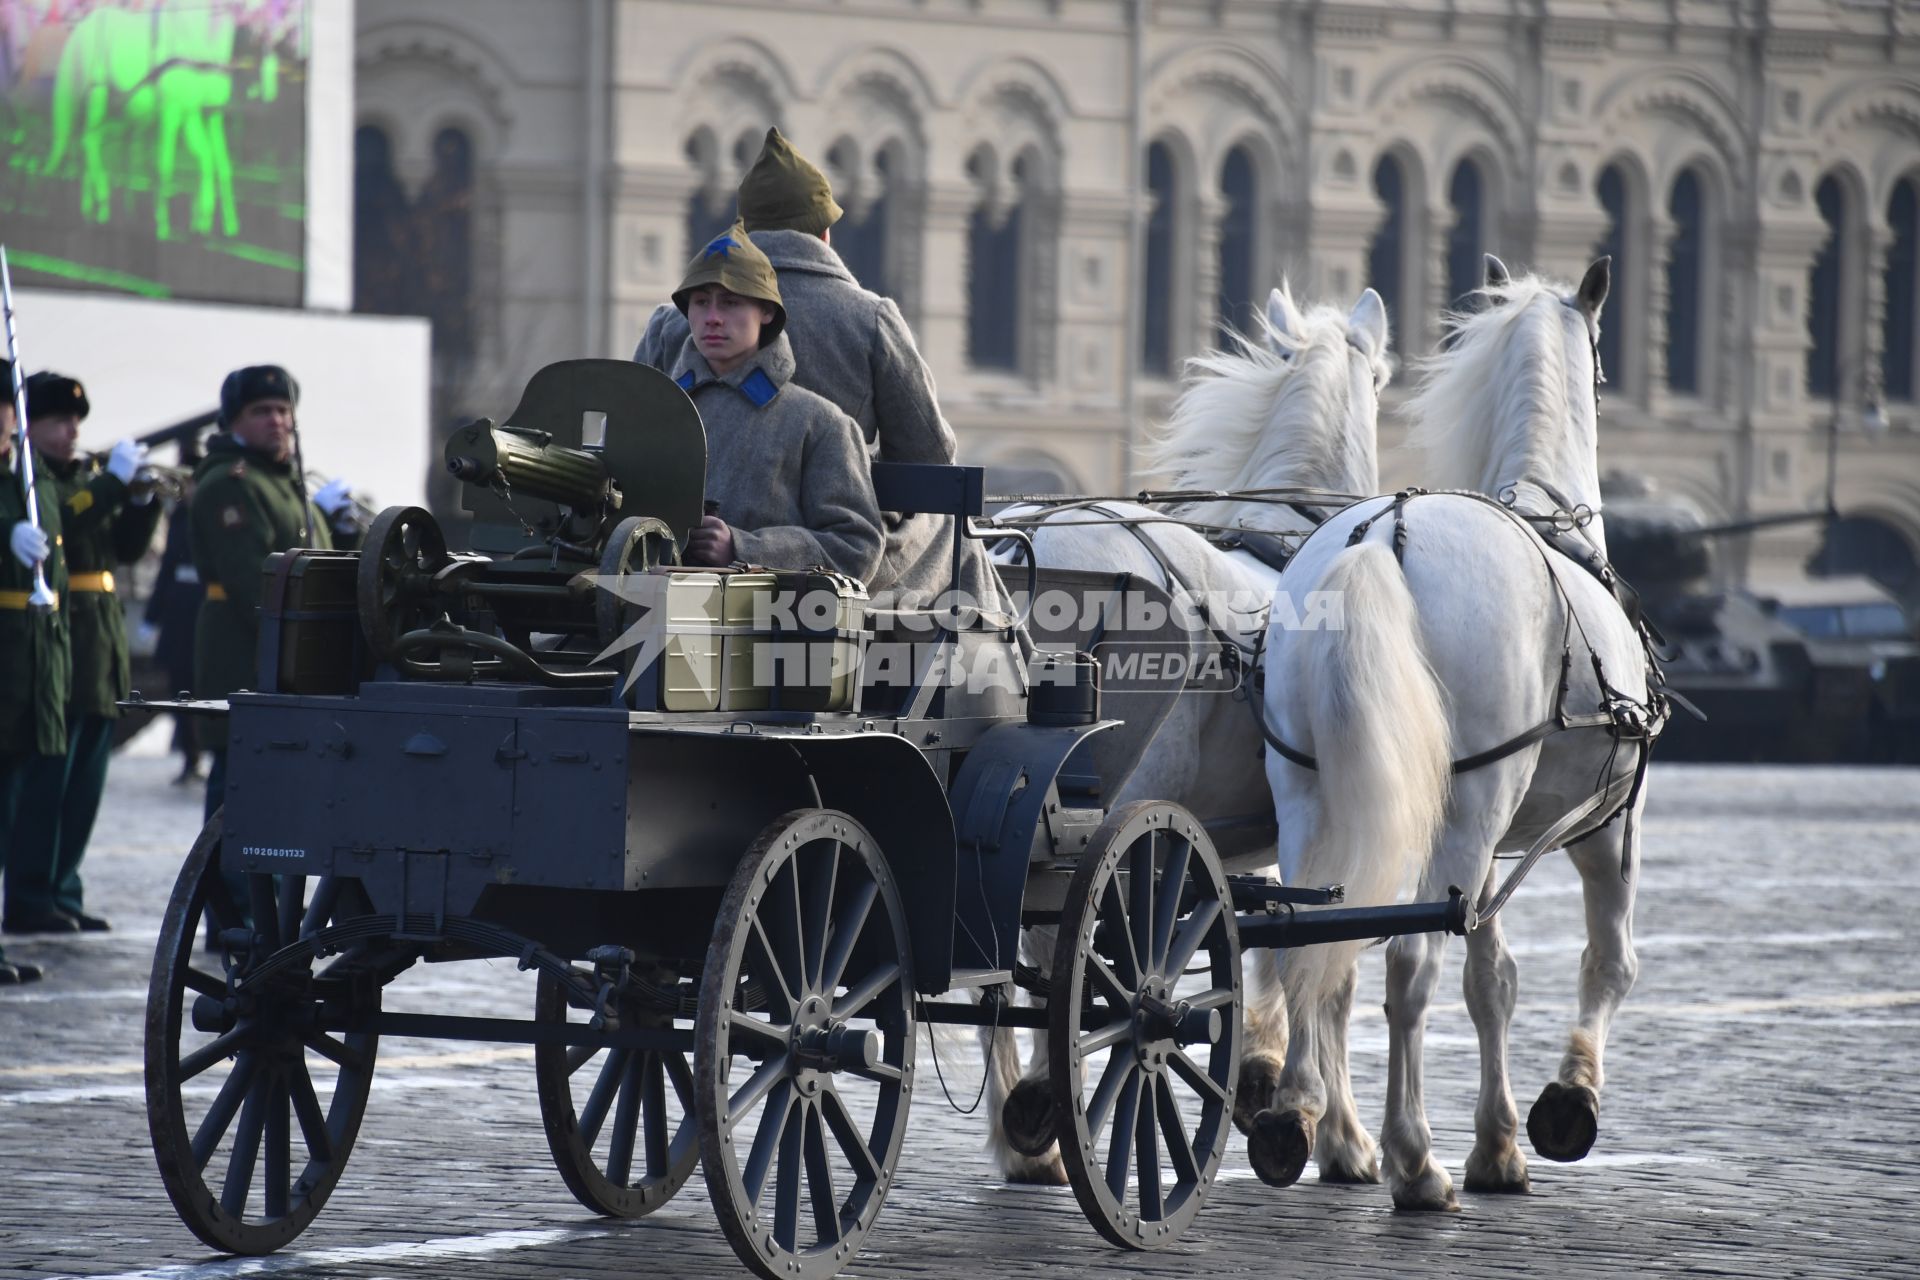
column 1252, row 418
column 1505, row 369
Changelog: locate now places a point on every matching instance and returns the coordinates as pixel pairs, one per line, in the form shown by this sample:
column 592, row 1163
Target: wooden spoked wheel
column 627, row 1143
column 1144, row 1024
column 804, row 1045
column 237, row 1070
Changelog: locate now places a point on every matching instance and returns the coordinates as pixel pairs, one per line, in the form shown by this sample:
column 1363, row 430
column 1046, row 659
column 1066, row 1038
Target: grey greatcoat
column 788, row 469
column 853, row 347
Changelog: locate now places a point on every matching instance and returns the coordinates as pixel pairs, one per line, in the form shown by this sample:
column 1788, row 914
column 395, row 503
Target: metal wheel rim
column 627, row 1105
column 268, row 1102
column 636, row 541
column 1178, row 1088
column 829, row 1142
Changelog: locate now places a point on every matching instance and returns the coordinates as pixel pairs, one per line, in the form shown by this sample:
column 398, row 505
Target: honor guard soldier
column 249, row 501
column 107, row 522
column 851, row 346
column 34, row 672
column 788, row 469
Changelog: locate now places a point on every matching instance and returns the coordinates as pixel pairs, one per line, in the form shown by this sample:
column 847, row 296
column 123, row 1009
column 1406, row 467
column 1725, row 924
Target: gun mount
column 597, row 473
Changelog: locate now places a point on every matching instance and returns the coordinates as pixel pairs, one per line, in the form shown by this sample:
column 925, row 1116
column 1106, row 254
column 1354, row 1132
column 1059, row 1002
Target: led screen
column 155, row 147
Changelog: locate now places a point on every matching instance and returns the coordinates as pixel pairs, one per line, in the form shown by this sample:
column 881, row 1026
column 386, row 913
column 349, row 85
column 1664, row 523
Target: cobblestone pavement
column 1761, row 1118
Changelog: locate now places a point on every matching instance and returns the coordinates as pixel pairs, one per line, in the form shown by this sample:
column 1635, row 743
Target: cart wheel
column 804, row 1046
column 650, row 1098
column 1144, row 1028
column 213, row 1058
column 402, row 551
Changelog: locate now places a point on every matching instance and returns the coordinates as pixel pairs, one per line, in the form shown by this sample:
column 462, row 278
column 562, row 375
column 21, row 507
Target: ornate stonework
column 1760, row 105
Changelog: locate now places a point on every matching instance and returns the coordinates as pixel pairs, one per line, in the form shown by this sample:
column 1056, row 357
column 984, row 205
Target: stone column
column 1204, row 291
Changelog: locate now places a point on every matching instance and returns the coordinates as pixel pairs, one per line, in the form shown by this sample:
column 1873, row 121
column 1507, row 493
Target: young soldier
column 851, row 346
column 105, row 524
column 248, row 504
column 788, row 470
column 34, row 670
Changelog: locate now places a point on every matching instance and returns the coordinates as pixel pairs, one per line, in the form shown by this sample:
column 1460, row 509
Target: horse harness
column 1623, row 717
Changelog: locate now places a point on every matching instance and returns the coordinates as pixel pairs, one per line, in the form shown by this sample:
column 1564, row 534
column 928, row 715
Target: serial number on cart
column 267, row 851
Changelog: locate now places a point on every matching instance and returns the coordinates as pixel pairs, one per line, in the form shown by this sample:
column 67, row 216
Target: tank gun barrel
column 527, row 463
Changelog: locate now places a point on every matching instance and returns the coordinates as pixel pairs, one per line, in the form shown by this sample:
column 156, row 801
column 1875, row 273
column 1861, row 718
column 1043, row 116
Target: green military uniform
column 35, row 671
column 35, row 665
column 103, row 529
column 246, row 506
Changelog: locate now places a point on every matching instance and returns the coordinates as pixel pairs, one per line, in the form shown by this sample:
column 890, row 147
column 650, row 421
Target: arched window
column 1383, row 255
column 1686, row 280
column 1240, row 185
column 1903, row 275
column 860, row 237
column 1613, row 198
column 445, row 225
column 1824, row 289
column 1156, row 278
column 715, row 203
column 382, row 230
column 1465, row 241
column 993, row 255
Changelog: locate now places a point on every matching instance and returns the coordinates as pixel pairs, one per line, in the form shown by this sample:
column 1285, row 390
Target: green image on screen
column 155, row 147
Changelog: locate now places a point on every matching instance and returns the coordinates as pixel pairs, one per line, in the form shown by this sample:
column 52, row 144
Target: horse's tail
column 1380, row 730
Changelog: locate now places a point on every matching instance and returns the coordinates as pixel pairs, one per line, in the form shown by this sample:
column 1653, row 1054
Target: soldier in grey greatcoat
column 853, row 347
column 787, row 469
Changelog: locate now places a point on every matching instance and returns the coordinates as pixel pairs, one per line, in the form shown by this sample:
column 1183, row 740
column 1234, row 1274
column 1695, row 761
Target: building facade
column 1068, row 197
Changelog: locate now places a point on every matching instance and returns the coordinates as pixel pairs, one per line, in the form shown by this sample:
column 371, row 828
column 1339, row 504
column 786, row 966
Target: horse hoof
column 1426, row 1195
column 1259, row 1081
column 1049, row 1172
column 1564, row 1122
column 1496, row 1176
column 1278, row 1146
column 1027, row 1117
column 1350, row 1174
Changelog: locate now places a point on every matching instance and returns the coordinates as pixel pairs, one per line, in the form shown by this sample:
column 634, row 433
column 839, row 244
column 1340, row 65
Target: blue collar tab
column 759, row 388
column 685, row 380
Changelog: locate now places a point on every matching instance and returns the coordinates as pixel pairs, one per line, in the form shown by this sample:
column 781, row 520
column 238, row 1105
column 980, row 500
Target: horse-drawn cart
column 739, row 891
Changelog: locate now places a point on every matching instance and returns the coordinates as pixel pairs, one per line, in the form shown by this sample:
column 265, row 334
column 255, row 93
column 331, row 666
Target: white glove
column 334, row 497
column 127, row 457
column 146, row 639
column 29, row 544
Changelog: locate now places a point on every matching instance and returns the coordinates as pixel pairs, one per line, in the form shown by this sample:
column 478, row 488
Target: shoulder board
column 80, row 501
column 758, row 388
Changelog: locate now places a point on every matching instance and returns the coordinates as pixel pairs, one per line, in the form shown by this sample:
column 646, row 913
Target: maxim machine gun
column 555, row 494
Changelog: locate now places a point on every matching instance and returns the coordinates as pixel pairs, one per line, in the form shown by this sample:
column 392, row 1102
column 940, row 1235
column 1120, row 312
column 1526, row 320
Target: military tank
column 1780, row 673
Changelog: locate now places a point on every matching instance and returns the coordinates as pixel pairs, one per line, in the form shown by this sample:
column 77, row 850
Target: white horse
column 1456, row 650
column 1299, row 411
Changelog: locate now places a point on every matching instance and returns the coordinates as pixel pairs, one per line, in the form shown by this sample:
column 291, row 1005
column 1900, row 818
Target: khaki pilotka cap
column 783, row 191
column 735, row 263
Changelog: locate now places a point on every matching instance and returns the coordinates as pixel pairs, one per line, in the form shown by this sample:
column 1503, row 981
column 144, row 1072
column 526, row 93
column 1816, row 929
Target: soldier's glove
column 334, row 498
column 127, row 458
column 28, row 543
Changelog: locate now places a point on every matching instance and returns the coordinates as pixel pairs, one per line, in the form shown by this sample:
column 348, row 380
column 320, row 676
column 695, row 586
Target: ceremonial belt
column 101, row 581
column 20, row 600
column 216, row 592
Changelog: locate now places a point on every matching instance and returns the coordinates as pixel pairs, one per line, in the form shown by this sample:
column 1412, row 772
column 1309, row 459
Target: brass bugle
column 170, row 483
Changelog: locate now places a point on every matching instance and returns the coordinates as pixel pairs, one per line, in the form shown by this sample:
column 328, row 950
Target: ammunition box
column 793, row 641
column 310, row 639
column 690, row 664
